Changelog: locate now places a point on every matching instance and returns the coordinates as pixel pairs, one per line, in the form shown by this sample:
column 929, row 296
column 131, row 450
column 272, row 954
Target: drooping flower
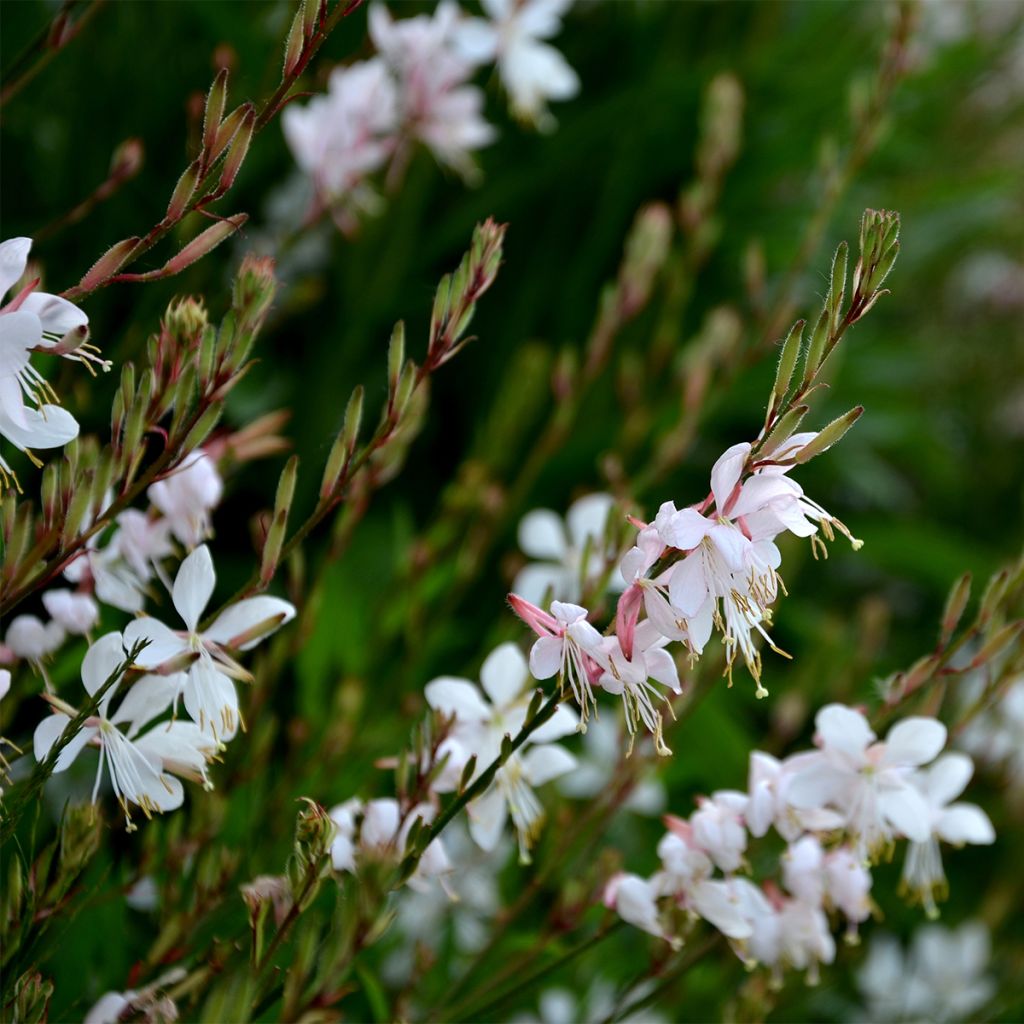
column 139, row 768
column 208, row 693
column 532, row 71
column 956, row 823
column 480, row 726
column 560, row 548
column 30, row 638
column 76, row 613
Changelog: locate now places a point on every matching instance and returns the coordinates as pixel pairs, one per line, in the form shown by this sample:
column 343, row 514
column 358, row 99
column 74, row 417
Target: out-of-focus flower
column 436, row 105
column 995, row 736
column 208, row 692
column 956, row 823
column 187, row 496
column 30, row 638
column 560, row 546
column 532, row 71
column 942, row 979
column 76, row 613
column 480, row 726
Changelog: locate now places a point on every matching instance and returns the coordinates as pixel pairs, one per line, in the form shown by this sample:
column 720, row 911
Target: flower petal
column 906, row 810
column 49, row 730
column 487, row 817
column 101, row 661
column 13, row 257
column 544, row 763
column 244, row 616
column 193, row 586
column 843, row 729
column 457, row 697
column 534, row 581
column 562, row 723
column 587, row 518
column 57, row 315
column 504, row 674
column 914, row 741
column 542, row 535
column 725, row 474
column 164, row 643
column 947, row 778
column 965, row 823
column 546, row 657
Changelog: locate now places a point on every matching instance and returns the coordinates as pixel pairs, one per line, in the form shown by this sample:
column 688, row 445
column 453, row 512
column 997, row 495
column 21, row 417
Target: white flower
column 480, row 726
column 942, row 980
column 767, row 788
column 719, row 830
column 869, row 783
column 76, row 613
column 958, row 824
column 30, row 638
column 531, row 71
column 567, row 646
column 435, row 103
column 187, row 496
column 341, row 138
column 837, row 878
column 112, row 578
column 378, row 828
column 208, row 693
column 635, row 900
column 560, row 548
column 628, row 678
column 142, row 542
column 138, row 768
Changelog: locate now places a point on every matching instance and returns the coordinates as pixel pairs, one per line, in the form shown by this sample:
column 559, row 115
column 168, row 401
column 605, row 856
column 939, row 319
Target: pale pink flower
column 187, row 496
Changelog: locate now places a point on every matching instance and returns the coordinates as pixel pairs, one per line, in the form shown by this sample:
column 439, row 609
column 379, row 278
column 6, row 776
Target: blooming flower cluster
column 691, row 570
column 995, row 736
column 34, row 321
column 418, row 88
column 838, row 807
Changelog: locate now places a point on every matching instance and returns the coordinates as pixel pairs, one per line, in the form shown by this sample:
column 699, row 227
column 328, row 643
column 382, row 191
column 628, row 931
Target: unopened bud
column 127, row 160
column 254, row 288
column 185, row 321
column 829, row 435
column 295, row 44
column 238, row 152
column 108, row 264
column 216, row 99
column 647, row 247
column 956, row 602
column 204, row 243
column 183, row 192
column 468, row 772
column 787, row 363
column 396, row 359
column 997, row 643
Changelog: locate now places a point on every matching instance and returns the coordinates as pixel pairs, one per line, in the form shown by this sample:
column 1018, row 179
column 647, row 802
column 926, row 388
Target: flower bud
column 216, row 99
column 183, row 192
column 956, row 602
column 203, row 244
column 829, row 435
column 107, row 265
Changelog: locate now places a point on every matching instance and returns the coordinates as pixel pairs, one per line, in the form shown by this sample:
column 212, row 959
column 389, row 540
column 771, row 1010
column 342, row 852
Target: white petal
column 905, row 809
column 57, row 315
column 244, row 616
column 914, row 741
column 715, row 902
column 546, row 657
column 487, row 817
column 542, row 535
column 761, row 488
column 457, row 697
column 947, row 778
column 380, row 823
column 146, row 698
column 164, row 643
column 534, row 581
column 193, row 586
column 504, row 674
column 562, row 723
column 688, row 587
column 109, row 1008
column 47, row 733
column 542, row 764
column 815, row 786
column 843, row 729
column 731, row 544
column 725, row 474
column 587, row 518
column 662, row 667
column 685, row 529
column 48, row 427
column 13, row 257
column 211, row 700
column 965, row 823
column 101, row 661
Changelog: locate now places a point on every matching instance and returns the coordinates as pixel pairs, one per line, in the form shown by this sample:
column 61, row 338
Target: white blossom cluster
column 418, row 88
column 838, row 807
column 34, row 321
column 191, row 665
column 711, row 565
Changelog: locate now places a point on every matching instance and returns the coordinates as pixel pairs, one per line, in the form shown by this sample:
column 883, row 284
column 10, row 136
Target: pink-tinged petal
column 546, row 657
column 49, row 730
column 725, row 474
column 947, row 778
column 627, row 611
column 542, row 535
column 458, row 697
column 57, row 315
column 164, row 643
column 100, row 663
column 843, row 729
column 241, row 618
column 685, row 529
column 487, row 817
column 587, row 519
column 965, row 823
column 544, row 763
column 13, row 257
column 717, row 904
column 540, row 581
column 193, row 586
column 688, row 588
column 661, row 667
column 914, row 741
column 562, row 723
column 906, row 810
column 731, row 545
column 504, row 674
column 761, row 489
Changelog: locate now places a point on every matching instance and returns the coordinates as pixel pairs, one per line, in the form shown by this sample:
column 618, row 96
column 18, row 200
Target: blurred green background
column 932, row 478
